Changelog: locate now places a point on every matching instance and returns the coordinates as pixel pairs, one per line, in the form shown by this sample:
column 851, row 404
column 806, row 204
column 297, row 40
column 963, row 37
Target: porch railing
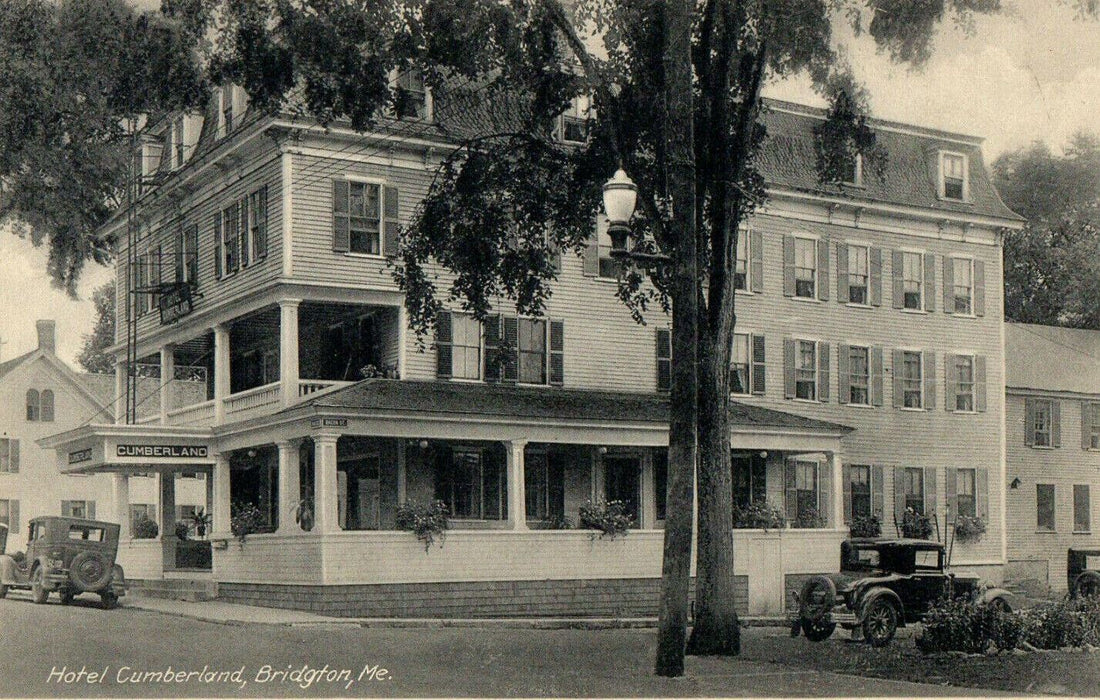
column 252, row 400
column 307, row 387
column 197, row 414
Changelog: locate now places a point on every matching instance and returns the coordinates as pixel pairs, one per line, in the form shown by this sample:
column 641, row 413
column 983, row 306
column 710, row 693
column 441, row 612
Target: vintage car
column 1083, row 572
column 883, row 584
column 67, row 555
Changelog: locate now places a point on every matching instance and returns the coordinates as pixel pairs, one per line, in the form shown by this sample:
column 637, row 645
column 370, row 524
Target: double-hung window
column 741, row 364
column 912, row 280
column 575, row 120
column 257, row 223
column 912, row 380
column 858, row 275
column 1044, row 508
column 9, row 456
column 1082, row 518
column 411, row 96
column 532, row 351
column 472, row 484
column 78, row 509
column 8, row 511
column 860, row 487
column 962, row 275
column 741, row 262
column 188, row 263
column 1091, row 423
column 805, row 494
column 965, row 493
column 964, row 382
column 913, row 488
column 805, row 268
column 365, row 218
column 806, row 370
column 1042, row 420
column 466, row 347
column 953, row 183
column 859, row 375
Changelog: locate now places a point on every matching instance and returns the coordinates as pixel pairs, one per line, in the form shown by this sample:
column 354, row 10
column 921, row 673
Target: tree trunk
column 716, row 630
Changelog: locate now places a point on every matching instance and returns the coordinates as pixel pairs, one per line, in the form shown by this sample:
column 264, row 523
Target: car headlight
column 55, row 563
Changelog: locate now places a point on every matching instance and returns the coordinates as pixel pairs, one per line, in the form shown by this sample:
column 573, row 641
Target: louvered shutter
column 244, row 233
column 664, row 359
column 557, row 352
column 981, row 488
column 218, row 270
column 823, row 269
column 756, row 252
column 842, row 293
column 758, row 365
column 591, row 262
column 791, row 492
column 261, row 225
column 948, row 285
column 876, row 276
column 951, row 491
column 899, row 494
column 788, row 266
column 823, row 372
column 789, row 386
column 843, row 374
column 877, row 491
column 847, row 494
column 391, row 213
column 1086, row 425
column 979, row 288
column 979, row 384
column 493, row 359
column 950, row 386
column 929, row 377
column 511, row 349
column 876, row 376
column 444, row 350
column 13, row 454
column 930, row 282
column 90, row 505
column 1056, row 423
column 899, row 387
column 898, row 279
column 1029, row 421
column 341, row 221
column 13, row 516
column 929, row 490
column 233, row 262
column 179, row 254
column 825, row 493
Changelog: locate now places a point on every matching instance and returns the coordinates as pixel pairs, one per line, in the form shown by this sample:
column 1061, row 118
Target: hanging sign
column 174, row 303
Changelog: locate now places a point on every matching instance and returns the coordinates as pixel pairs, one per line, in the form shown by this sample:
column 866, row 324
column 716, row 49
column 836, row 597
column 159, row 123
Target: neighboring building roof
column 1051, row 358
column 529, row 402
column 11, row 364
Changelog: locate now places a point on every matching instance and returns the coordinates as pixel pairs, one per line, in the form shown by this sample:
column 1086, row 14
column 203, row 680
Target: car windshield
column 1092, row 561
column 862, row 559
column 928, row 560
column 83, row 532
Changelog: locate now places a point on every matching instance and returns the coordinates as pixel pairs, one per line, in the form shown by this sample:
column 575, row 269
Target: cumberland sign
column 173, row 451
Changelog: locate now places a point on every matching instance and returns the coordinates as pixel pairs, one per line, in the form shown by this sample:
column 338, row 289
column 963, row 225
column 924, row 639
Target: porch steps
column 192, row 590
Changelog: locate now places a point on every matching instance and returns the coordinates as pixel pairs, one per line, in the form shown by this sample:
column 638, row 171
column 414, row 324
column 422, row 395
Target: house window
column 9, row 456
column 1044, row 507
column 912, row 280
column 473, row 486
column 965, row 493
column 853, row 172
column 953, row 176
column 8, row 509
column 859, row 375
column 858, row 266
column 33, row 405
column 860, row 486
column 609, row 266
column 141, row 301
column 741, row 262
column 411, row 99
column 911, row 380
column 179, row 146
column 750, row 479
column 1042, row 416
column 365, row 218
column 622, row 482
column 1082, row 518
column 574, row 121
column 805, row 483
column 465, row 347
column 231, row 238
column 188, row 269
column 913, row 488
column 740, row 364
column 544, row 485
column 805, row 267
column 257, row 223
column 964, row 383
column 962, row 270
column 141, row 511
column 1092, row 413
column 78, row 509
column 806, row 371
column 226, row 97
column 532, row 351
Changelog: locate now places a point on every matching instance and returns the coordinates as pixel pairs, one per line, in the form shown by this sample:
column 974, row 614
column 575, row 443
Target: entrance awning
column 131, row 449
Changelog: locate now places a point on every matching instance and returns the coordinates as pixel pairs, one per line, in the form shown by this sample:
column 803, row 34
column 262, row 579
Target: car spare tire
column 817, row 599
column 1086, row 585
column 90, row 571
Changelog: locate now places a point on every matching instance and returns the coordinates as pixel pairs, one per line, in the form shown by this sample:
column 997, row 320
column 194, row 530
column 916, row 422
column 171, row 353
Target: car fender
column 11, row 574
column 875, row 594
column 990, row 594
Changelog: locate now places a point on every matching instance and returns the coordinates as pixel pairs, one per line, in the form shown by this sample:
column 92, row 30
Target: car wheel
column 66, row 596
column 1087, row 585
column 1000, row 605
column 110, row 600
column 880, row 622
column 818, row 631
column 90, row 571
column 38, row 591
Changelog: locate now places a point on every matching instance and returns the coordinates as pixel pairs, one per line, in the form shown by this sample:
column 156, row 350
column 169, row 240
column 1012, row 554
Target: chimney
column 46, row 335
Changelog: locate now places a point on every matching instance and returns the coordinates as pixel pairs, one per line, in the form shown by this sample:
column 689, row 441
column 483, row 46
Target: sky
column 1030, row 73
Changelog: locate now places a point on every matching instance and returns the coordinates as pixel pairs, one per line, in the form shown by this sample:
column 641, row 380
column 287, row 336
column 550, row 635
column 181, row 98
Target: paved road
column 242, row 660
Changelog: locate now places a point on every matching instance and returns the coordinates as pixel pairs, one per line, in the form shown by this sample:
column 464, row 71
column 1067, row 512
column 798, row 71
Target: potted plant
column 609, row 517
column 808, row 517
column 146, row 529
column 245, row 519
column 200, row 520
column 182, row 530
column 758, row 515
column 916, row 525
column 429, row 522
column 969, row 528
column 865, row 526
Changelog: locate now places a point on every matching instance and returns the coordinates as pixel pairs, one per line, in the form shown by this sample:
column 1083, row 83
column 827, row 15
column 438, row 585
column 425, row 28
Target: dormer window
column 853, row 172
column 412, row 99
column 953, row 184
column 178, row 142
column 573, row 122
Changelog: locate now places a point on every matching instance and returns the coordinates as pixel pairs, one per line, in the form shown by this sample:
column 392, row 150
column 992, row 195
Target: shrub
column 1064, row 623
column 808, row 517
column 245, row 519
column 759, row 516
column 428, row 522
column 916, row 525
column 609, row 517
column 865, row 526
column 962, row 625
column 146, row 529
column 968, row 529
column 556, row 522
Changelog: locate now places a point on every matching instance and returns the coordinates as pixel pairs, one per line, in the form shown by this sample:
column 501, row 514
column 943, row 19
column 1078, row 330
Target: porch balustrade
column 251, row 401
column 196, row 414
column 307, row 387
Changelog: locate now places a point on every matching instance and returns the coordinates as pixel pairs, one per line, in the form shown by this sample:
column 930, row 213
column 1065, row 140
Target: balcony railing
column 196, row 414
column 246, row 404
column 253, row 401
column 307, row 387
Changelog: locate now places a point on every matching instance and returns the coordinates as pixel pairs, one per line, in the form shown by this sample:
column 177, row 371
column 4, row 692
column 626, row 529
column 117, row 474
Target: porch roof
column 535, row 402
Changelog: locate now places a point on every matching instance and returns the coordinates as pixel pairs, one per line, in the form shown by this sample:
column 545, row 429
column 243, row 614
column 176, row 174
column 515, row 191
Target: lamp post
column 620, row 195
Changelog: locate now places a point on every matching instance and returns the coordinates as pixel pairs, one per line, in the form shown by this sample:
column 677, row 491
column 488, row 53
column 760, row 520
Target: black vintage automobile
column 1083, row 572
column 883, row 584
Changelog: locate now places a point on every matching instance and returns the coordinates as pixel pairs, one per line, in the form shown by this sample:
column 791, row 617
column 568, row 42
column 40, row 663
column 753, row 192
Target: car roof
column 896, row 542
column 73, row 521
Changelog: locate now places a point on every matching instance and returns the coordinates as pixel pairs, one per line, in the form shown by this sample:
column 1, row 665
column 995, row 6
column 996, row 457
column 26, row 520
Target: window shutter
column 981, row 489
column 842, row 272
column 179, row 255
column 823, row 269
column 899, row 279
column 261, row 229
column 557, row 352
column 899, row 389
column 788, row 266
column 823, row 372
column 950, row 491
column 13, row 454
column 825, row 493
column 511, row 349
column 91, row 509
column 341, row 221
column 756, row 252
column 554, row 255
column 444, row 351
column 791, row 494
column 929, row 371
column 493, row 360
column 758, row 365
column 950, row 386
column 876, row 376
column 847, row 494
column 664, row 359
column 876, row 276
column 244, row 234
column 13, row 516
column 948, row 285
column 788, row 368
column 47, row 405
column 391, row 212
column 1029, row 421
column 979, row 288
column 591, row 260
column 1086, row 425
column 929, row 490
column 218, row 272
column 899, row 495
column 843, row 374
column 233, row 262
column 877, row 495
column 979, row 384
column 1056, row 423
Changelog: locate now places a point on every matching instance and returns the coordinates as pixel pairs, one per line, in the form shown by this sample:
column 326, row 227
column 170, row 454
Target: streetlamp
column 620, row 195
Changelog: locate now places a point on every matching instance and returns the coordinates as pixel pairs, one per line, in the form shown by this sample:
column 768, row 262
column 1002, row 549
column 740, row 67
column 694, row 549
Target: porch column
column 288, row 350
column 648, row 501
column 120, row 484
column 210, row 500
column 517, row 499
column 167, row 483
column 837, row 470
column 167, row 375
column 221, row 371
column 289, row 489
column 120, row 392
column 221, row 495
column 324, row 472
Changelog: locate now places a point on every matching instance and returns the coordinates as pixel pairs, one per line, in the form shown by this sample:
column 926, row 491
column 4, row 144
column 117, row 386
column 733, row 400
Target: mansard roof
column 1051, row 358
